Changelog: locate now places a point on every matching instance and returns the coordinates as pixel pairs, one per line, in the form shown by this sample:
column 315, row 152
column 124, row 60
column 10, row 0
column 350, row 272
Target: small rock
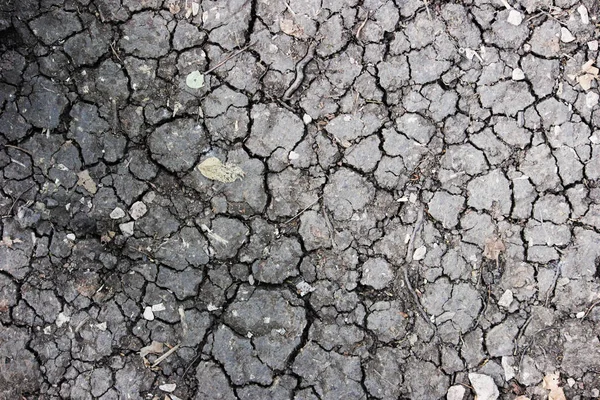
column 148, row 314
column 484, row 386
column 593, row 45
column 138, row 210
column 566, row 36
column 456, row 392
column 585, row 18
column 420, row 253
column 168, row 387
column 307, row 119
column 61, row 319
column 158, row 307
column 71, row 237
column 293, row 155
column 506, row 299
column 304, row 288
column 580, row 314
column 127, row 228
column 509, row 370
column 571, row 382
column 514, row 18
column 591, row 99
column 518, row 74
column 117, row 213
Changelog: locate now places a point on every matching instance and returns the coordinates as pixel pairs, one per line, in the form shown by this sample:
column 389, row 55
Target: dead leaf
column 154, row 348
column 551, row 382
column 85, row 180
column 288, row 27
column 174, row 8
column 522, row 398
column 214, row 169
column 493, row 248
column 195, row 80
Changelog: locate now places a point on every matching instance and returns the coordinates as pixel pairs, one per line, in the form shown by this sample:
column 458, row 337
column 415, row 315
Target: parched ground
column 395, row 200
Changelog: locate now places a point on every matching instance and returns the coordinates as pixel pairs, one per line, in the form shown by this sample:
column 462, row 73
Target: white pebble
column 456, row 392
column 126, row 228
column 117, row 213
column 168, row 387
column 71, row 237
column 138, row 210
column 518, row 74
column 566, row 36
column 307, row 119
column 580, row 314
column 506, row 299
column 148, row 314
column 293, row 155
column 484, row 386
column 585, row 18
column 158, row 307
column 420, row 253
column 591, row 99
column 514, row 18
column 593, row 45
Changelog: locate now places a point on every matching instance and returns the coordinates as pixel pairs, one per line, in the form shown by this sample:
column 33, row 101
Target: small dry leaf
column 493, row 248
column 8, row 242
column 174, row 8
column 154, row 348
column 550, row 383
column 214, row 169
column 195, row 80
column 85, row 180
column 288, row 27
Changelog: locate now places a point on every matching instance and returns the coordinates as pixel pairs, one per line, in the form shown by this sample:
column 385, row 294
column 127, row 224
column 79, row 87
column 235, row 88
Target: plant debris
column 212, row 168
column 195, row 80
column 154, row 348
column 550, row 383
column 493, row 248
column 85, row 180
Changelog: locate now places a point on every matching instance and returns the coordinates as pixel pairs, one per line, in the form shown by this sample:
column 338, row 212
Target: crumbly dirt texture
column 299, row 199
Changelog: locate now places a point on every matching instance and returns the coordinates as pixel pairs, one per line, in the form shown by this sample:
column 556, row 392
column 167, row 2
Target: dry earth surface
column 396, row 199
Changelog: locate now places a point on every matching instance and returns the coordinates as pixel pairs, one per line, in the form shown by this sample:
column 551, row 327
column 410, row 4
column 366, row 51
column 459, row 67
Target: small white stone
column 127, row 228
column 591, row 99
column 101, row 326
column 293, row 155
column 566, row 36
column 420, row 253
column 251, row 279
column 580, row 314
column 148, row 314
column 506, row 299
column 456, row 392
column 211, row 307
column 304, row 288
column 117, row 213
column 509, row 370
column 570, row 382
column 168, row 387
column 484, row 386
column 514, row 17
column 585, row 18
column 61, row 319
column 158, row 307
column 593, row 45
column 518, row 74
column 307, row 119
column 138, row 210
column 71, row 237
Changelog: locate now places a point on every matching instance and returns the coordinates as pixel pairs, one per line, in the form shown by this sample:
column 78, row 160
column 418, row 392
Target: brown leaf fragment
column 154, row 348
column 551, row 382
column 493, row 248
column 214, row 169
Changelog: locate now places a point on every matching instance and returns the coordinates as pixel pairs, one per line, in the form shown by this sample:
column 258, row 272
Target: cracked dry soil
column 418, row 216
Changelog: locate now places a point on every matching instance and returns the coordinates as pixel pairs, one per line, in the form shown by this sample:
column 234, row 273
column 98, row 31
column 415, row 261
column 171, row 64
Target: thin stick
column 15, row 201
column 303, row 210
column 362, row 25
column 18, row 148
column 590, row 309
column 167, row 354
column 237, row 53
